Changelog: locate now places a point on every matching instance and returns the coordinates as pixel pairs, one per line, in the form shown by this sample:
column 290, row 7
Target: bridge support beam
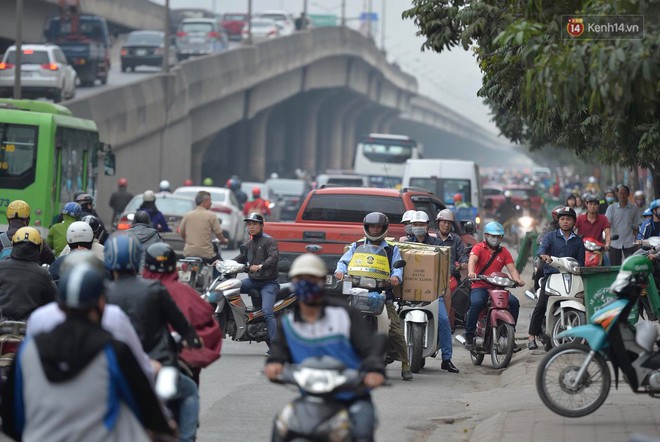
column 257, row 132
column 335, row 147
column 350, row 137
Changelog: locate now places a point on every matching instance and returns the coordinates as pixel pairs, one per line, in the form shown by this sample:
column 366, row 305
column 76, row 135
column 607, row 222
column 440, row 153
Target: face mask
column 419, row 231
column 307, row 291
column 408, row 229
column 640, row 203
column 493, row 241
column 609, row 199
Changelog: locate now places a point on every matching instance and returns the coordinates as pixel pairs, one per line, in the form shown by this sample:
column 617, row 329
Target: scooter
column 241, row 320
column 593, row 253
column 420, row 328
column 521, row 227
column 573, row 380
column 495, row 327
column 565, row 308
column 650, row 246
column 12, row 334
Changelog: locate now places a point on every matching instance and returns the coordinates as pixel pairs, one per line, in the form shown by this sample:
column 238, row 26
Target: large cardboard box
column 420, row 279
column 441, row 269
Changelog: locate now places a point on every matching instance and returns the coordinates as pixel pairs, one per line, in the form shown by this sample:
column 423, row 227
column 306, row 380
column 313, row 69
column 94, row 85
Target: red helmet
column 188, row 182
column 458, row 197
column 256, row 191
column 122, row 182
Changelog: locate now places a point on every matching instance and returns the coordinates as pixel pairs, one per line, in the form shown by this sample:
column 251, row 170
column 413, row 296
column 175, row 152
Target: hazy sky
column 451, row 78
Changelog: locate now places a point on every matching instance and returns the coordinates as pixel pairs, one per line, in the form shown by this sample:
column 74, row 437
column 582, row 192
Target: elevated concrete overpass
column 121, row 14
column 294, row 102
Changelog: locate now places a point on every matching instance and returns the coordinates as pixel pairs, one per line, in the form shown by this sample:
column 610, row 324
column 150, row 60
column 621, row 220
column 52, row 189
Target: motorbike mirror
column 614, row 237
column 468, row 227
column 399, row 264
column 243, row 249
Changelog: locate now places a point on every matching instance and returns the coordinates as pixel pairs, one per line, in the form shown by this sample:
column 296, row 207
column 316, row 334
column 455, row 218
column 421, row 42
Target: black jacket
column 151, row 309
column 24, row 284
column 262, row 250
column 46, row 257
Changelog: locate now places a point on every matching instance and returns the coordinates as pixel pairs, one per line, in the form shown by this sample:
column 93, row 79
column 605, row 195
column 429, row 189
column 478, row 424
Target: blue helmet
column 122, row 252
column 654, row 204
column 648, row 212
column 72, row 209
column 494, row 228
column 81, row 286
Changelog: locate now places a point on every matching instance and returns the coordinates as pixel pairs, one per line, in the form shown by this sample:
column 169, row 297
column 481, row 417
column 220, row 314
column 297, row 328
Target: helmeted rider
column 490, row 252
column 317, row 328
column 152, row 310
column 187, row 182
column 158, row 221
column 375, row 226
column 420, row 230
column 79, row 236
column 640, row 198
column 24, row 284
column 507, row 210
column 147, row 235
column 261, row 257
column 257, row 204
column 18, row 215
column 207, row 182
column 405, row 220
column 120, row 198
column 57, row 234
column 560, row 243
column 651, row 227
column 87, row 208
column 164, row 186
column 234, row 184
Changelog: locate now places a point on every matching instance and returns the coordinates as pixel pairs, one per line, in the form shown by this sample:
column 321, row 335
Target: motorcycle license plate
column 328, row 279
column 184, row 276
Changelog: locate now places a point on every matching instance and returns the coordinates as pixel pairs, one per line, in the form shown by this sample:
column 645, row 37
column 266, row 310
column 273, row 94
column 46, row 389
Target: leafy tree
column 598, row 98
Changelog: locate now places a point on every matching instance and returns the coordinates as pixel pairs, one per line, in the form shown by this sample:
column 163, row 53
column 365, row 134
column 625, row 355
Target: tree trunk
column 655, row 171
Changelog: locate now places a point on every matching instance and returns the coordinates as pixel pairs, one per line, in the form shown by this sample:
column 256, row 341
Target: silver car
column 200, row 36
column 45, row 72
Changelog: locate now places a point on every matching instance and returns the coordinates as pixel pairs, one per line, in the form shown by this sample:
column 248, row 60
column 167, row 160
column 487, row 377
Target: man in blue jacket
column 560, row 243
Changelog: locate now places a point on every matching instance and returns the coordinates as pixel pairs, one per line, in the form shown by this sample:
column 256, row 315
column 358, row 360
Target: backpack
column 6, row 246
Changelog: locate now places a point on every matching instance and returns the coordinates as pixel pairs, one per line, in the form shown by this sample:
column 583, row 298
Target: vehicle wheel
column 415, row 341
column 73, row 91
column 58, row 96
column 501, row 349
column 104, row 80
column 124, row 68
column 87, row 83
column 572, row 318
column 556, row 373
column 477, row 358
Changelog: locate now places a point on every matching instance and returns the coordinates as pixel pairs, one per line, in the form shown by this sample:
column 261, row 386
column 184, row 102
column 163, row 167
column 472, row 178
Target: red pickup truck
column 329, row 218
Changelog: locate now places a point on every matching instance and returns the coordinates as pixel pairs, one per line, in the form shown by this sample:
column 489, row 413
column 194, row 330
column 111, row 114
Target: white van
column 445, row 178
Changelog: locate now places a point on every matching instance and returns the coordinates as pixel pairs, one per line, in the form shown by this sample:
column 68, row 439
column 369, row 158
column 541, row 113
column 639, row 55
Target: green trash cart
column 597, row 281
column 527, row 250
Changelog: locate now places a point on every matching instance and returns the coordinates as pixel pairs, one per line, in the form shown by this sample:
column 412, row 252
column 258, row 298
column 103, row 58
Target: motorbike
column 12, row 334
column 317, row 414
column 495, row 327
column 593, row 252
column 241, row 320
column 648, row 246
column 420, row 329
column 521, row 227
column 573, row 380
column 565, row 308
column 195, row 273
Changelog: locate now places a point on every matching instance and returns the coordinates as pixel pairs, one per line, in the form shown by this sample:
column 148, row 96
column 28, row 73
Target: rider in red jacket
column 160, row 263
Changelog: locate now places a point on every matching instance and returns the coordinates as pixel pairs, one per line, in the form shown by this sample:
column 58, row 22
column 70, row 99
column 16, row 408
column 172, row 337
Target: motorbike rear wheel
column 572, row 318
column 415, row 340
column 501, row 349
column 556, row 373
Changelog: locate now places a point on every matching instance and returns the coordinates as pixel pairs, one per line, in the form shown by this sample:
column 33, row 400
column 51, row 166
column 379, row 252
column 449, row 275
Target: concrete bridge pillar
column 257, row 132
column 349, row 138
column 310, row 131
column 276, row 160
column 336, row 137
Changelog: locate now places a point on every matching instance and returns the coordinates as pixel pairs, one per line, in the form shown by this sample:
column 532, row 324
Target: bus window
column 18, row 155
column 73, row 143
column 445, row 188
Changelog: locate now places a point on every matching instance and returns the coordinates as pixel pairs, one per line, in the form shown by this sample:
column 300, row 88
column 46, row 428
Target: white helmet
column 164, row 186
column 308, row 264
column 445, row 215
column 79, row 232
column 407, row 216
column 420, row 217
column 149, row 196
column 639, row 193
column 592, row 179
column 507, row 194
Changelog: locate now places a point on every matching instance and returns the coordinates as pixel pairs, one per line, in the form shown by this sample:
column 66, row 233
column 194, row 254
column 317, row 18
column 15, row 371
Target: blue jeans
column 478, row 299
column 269, row 290
column 187, row 398
column 444, row 331
column 363, row 419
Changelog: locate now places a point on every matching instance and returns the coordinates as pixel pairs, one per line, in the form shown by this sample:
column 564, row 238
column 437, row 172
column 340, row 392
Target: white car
column 262, row 29
column 226, row 207
column 284, row 20
column 44, row 73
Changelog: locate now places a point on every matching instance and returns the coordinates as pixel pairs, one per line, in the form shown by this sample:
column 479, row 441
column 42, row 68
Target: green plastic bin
column 527, row 250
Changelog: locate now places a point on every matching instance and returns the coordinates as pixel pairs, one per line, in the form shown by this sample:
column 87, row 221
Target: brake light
column 124, row 51
column 4, row 66
column 28, row 51
column 181, row 34
column 124, row 224
column 221, row 209
column 50, row 66
column 213, row 34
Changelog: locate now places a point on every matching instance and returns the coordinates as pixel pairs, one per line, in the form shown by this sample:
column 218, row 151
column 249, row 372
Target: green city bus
column 46, row 155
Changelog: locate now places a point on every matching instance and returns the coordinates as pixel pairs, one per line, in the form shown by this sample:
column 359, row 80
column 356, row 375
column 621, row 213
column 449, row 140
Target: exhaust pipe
column 460, row 339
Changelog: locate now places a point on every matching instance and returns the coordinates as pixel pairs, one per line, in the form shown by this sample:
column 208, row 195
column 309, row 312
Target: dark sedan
column 145, row 48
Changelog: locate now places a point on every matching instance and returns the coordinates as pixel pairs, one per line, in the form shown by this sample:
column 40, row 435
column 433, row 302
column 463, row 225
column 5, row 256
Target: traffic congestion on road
column 403, row 298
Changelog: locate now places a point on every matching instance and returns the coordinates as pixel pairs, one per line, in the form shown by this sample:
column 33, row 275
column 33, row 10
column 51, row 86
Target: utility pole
column 166, row 43
column 249, row 22
column 303, row 25
column 370, row 19
column 382, row 27
column 343, row 13
column 19, row 49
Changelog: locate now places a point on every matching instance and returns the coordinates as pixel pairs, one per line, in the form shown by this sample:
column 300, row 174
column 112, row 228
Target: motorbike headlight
column 525, row 221
column 317, row 381
column 370, row 283
column 591, row 246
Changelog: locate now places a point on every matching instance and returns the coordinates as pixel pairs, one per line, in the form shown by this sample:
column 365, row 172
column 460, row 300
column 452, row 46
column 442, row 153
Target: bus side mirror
column 109, row 163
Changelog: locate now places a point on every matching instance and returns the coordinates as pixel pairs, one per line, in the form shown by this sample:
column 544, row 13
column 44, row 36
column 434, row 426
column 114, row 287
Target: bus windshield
column 386, row 153
column 382, row 158
column 18, row 154
column 445, row 188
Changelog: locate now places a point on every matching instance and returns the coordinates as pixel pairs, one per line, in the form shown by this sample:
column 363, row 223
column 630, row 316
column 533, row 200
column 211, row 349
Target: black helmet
column 591, row 198
column 566, row 211
column 93, row 223
column 160, row 258
column 84, row 198
column 376, row 218
column 254, row 217
column 141, row 217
